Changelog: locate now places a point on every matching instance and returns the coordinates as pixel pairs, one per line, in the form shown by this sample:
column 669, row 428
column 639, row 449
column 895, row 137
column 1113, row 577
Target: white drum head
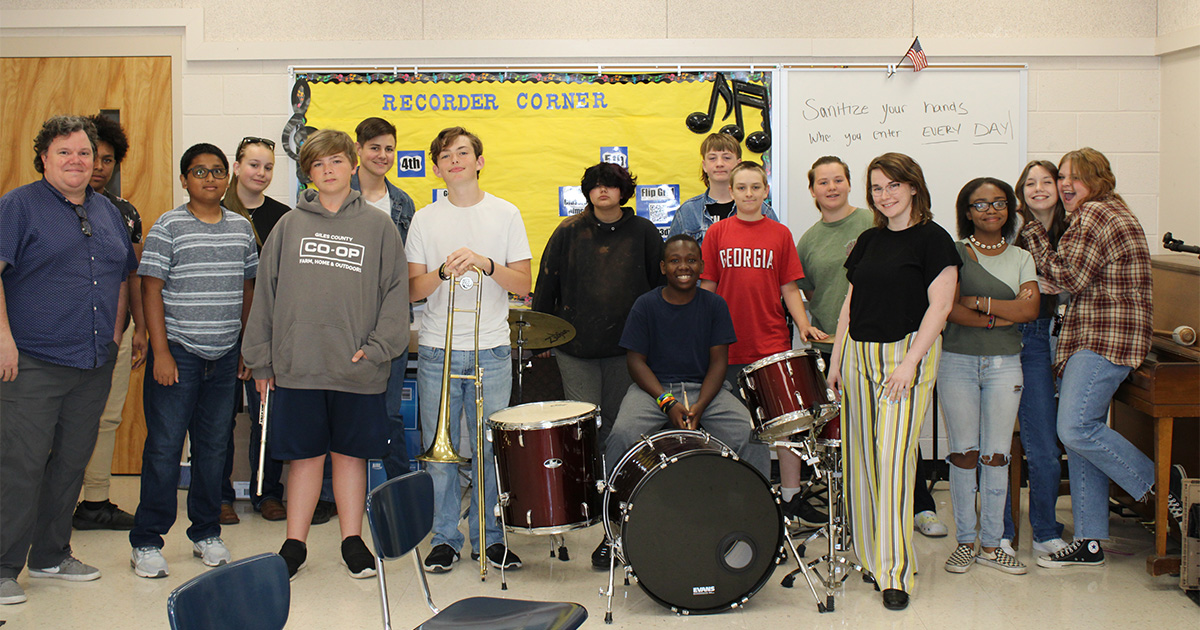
column 541, row 414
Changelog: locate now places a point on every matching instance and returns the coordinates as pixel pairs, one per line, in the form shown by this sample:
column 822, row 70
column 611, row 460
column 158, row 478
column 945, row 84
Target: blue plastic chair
column 400, row 512
column 248, row 594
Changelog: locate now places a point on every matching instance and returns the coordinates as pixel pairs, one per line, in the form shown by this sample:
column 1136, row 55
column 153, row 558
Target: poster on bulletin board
column 540, row 131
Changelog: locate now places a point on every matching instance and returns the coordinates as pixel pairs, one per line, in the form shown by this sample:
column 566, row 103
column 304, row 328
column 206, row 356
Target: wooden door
column 33, row 89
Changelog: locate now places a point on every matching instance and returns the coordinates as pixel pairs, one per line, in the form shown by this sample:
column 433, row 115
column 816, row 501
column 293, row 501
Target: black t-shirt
column 676, row 338
column 265, row 217
column 891, row 272
column 720, row 210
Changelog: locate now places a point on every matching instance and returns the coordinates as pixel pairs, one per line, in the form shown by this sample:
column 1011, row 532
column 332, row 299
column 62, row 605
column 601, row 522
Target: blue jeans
column 200, row 405
column 497, row 387
column 396, row 463
column 1095, row 452
column 1039, row 435
column 980, row 396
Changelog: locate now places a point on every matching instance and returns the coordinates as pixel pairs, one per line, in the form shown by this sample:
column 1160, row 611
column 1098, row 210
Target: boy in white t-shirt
column 468, row 229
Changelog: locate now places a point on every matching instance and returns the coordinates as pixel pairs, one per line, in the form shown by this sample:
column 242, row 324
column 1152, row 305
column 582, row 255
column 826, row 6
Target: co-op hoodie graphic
column 329, row 284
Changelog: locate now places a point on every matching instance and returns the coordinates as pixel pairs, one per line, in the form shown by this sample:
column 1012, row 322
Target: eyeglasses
column 892, row 188
column 256, row 140
column 982, row 206
column 83, row 221
column 200, row 172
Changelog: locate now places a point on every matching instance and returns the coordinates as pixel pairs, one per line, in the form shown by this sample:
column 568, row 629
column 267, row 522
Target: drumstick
column 685, row 404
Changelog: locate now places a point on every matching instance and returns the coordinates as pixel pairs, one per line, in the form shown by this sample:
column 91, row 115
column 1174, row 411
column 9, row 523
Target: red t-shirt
column 750, row 261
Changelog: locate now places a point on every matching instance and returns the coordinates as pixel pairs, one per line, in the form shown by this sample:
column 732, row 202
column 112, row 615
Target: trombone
column 441, row 451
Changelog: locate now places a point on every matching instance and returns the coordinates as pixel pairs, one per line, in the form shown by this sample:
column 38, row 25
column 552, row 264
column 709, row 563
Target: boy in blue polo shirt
column 197, row 269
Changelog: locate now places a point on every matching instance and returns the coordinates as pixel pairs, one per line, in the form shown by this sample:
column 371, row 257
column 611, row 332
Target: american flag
column 917, row 56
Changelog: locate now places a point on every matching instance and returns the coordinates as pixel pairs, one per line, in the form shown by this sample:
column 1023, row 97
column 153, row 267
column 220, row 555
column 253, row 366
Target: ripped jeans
column 979, row 396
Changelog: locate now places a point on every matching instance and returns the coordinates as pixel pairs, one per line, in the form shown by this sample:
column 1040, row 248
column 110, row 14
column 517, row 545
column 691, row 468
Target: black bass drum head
column 703, row 533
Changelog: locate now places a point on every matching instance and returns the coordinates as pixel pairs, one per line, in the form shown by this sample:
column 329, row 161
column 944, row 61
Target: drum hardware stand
column 559, row 542
column 803, row 569
column 836, row 565
column 501, row 500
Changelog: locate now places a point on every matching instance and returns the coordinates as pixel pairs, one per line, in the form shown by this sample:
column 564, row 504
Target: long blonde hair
column 231, row 200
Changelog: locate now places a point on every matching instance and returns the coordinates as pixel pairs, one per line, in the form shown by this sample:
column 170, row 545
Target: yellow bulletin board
column 541, row 130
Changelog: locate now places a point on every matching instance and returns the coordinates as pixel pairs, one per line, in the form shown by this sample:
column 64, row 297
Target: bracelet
column 977, row 302
column 493, row 268
column 991, row 321
column 442, row 272
column 664, row 399
column 989, row 311
column 667, row 407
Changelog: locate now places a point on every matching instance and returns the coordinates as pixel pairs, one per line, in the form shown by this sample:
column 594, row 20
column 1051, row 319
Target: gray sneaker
column 148, row 562
column 69, row 569
column 11, row 592
column 212, row 551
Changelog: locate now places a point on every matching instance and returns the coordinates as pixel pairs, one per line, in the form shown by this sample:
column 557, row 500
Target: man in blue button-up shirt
column 65, row 256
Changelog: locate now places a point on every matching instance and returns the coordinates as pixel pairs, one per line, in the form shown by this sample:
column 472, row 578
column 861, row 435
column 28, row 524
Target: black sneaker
column 359, row 560
column 324, row 511
column 105, row 515
column 295, row 554
column 441, row 559
column 1081, row 553
column 500, row 557
column 1174, row 494
column 601, row 557
column 800, row 509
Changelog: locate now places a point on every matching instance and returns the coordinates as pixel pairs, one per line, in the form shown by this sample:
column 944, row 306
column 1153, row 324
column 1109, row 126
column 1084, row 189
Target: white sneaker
column 148, row 562
column 1051, row 546
column 212, row 551
column 1006, row 545
column 928, row 524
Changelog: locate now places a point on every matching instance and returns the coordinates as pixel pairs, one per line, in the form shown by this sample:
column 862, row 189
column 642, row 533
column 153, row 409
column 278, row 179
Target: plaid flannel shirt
column 1104, row 262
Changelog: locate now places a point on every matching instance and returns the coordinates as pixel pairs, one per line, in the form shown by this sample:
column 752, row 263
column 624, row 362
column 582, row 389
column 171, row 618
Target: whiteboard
column 958, row 124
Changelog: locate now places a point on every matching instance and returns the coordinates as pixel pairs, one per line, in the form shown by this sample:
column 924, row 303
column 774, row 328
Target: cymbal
column 538, row 331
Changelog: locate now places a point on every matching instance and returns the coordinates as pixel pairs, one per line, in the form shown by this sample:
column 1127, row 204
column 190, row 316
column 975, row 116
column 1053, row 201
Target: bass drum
column 700, row 529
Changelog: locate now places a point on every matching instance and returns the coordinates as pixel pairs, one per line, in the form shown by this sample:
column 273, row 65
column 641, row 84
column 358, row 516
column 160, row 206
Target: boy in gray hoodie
column 330, row 313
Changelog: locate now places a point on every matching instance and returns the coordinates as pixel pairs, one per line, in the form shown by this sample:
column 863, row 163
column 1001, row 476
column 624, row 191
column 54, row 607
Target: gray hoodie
column 328, row 285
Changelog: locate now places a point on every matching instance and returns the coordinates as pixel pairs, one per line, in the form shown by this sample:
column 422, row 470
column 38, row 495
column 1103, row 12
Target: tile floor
column 1120, row 595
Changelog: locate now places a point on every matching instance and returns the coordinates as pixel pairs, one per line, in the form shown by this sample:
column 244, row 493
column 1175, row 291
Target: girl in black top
column 902, row 276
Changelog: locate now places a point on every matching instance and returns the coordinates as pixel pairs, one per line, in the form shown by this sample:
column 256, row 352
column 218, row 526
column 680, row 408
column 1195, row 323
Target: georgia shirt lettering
column 745, row 257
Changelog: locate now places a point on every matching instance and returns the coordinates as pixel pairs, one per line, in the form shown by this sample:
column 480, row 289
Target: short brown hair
column 59, row 127
column 754, row 167
column 717, row 142
column 324, row 143
column 447, row 136
column 374, row 127
column 822, row 161
column 901, row 168
column 1092, row 168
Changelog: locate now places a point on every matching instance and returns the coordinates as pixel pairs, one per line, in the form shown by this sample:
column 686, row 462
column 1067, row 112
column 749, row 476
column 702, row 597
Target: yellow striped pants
column 879, row 454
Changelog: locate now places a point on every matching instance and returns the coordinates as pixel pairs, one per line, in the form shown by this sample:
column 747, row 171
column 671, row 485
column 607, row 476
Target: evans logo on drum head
column 704, row 590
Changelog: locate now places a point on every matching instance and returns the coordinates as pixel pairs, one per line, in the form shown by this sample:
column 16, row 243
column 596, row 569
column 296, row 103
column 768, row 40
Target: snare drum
column 548, row 465
column 831, row 433
column 700, row 528
column 787, row 394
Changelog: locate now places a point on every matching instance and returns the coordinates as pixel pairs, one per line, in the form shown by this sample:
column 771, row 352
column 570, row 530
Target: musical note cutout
column 735, row 93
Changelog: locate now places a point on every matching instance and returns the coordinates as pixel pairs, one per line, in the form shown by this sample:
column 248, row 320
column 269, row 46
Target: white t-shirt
column 384, row 203
column 492, row 228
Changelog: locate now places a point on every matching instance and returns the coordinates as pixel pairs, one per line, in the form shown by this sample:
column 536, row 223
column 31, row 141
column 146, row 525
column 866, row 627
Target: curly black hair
column 110, row 131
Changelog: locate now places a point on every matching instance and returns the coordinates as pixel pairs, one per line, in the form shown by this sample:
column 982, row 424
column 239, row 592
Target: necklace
column 986, row 247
